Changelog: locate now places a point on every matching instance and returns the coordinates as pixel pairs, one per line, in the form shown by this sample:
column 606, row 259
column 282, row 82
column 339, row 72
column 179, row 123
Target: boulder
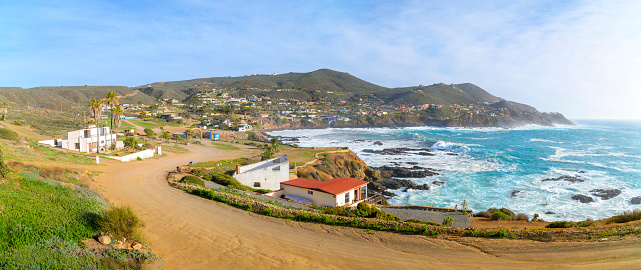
column 636, row 200
column 583, row 198
column 104, row 239
column 378, row 143
column 401, row 183
column 515, row 192
column 606, row 194
column 136, row 245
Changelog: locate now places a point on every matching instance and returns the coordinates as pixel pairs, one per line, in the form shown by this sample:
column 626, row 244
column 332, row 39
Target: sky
column 580, row 58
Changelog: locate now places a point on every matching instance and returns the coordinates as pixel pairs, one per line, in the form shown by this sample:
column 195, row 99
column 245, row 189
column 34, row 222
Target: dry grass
column 61, row 174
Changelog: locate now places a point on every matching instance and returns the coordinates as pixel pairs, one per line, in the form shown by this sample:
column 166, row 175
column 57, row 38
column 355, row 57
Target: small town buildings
column 85, row 140
column 330, row 193
column 266, row 174
column 243, row 128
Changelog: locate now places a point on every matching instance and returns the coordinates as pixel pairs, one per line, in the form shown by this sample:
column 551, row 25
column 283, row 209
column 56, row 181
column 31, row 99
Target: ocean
column 532, row 169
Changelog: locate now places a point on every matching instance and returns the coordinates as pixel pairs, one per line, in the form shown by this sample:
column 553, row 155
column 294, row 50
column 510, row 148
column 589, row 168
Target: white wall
column 264, row 173
column 142, row 154
column 318, row 198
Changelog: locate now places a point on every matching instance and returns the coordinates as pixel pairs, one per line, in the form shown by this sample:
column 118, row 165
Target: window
column 347, row 197
column 363, row 192
column 356, row 194
column 275, row 169
column 87, row 133
column 256, row 184
column 310, row 192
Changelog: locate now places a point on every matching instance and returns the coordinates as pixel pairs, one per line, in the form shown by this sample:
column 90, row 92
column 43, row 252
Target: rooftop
column 334, row 186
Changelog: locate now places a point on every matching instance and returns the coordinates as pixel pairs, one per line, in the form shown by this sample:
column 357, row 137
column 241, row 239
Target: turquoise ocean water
column 506, row 167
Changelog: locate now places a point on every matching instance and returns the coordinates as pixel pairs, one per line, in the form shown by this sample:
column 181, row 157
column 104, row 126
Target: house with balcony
column 85, row 140
column 331, row 193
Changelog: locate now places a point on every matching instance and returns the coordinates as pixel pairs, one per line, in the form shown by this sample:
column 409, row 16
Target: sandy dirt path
column 194, row 233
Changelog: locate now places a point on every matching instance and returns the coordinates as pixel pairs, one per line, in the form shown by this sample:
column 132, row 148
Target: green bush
column 131, row 142
column 627, row 216
column 119, row 222
column 8, row 134
column 570, row 224
column 198, row 171
column 484, row 214
column 447, row 221
column 500, row 216
column 193, row 180
column 224, row 179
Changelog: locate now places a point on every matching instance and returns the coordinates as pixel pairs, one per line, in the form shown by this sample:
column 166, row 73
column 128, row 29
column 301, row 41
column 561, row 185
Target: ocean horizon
column 531, row 169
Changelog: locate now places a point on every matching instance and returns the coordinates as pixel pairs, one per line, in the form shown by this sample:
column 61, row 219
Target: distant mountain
column 320, row 85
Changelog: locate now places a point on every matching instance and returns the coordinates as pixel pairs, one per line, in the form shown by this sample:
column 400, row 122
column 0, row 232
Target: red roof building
column 330, row 193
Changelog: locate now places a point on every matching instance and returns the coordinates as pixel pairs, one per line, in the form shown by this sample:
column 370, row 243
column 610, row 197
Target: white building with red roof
column 330, row 193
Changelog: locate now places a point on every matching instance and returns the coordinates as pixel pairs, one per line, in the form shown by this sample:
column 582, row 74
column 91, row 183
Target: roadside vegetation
column 43, row 222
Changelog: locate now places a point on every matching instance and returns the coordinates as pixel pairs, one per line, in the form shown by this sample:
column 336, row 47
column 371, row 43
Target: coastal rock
column 572, row 179
column 636, row 200
column 414, row 172
column 401, row 183
column 104, row 239
column 400, row 151
column 515, row 192
column 583, row 198
column 378, row 143
column 438, row 183
column 549, row 213
column 388, row 194
column 606, row 194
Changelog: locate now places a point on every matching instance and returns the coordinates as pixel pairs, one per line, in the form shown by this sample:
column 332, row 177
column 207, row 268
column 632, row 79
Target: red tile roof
column 334, row 186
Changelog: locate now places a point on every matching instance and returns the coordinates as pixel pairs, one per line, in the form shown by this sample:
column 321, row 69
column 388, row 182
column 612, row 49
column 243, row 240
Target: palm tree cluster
column 115, row 112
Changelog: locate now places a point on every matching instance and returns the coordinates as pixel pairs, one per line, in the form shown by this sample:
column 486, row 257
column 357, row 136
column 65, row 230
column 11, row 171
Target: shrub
column 119, row 222
column 627, row 216
column 198, row 171
column 268, row 212
column 8, row 134
column 522, row 216
column 500, row 216
column 193, row 180
column 447, row 221
column 225, row 180
column 131, row 142
column 484, row 214
column 508, row 212
column 560, row 224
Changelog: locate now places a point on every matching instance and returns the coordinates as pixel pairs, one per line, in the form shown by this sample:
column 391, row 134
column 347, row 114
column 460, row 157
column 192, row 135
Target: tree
column 4, row 108
column 150, row 133
column 190, row 134
column 96, row 109
column 131, row 142
column 275, row 144
column 165, row 135
column 116, row 116
column 111, row 100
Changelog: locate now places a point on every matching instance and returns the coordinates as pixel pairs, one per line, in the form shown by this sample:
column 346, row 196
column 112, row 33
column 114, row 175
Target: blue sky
column 580, row 58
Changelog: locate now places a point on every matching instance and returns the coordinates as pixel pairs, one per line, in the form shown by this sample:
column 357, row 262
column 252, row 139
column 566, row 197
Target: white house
column 84, row 140
column 265, row 174
column 243, row 128
column 330, row 193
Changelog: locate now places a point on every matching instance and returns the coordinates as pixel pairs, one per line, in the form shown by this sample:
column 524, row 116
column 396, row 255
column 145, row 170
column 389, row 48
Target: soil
column 190, row 232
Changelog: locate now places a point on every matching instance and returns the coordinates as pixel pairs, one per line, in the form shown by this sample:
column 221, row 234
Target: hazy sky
column 580, row 58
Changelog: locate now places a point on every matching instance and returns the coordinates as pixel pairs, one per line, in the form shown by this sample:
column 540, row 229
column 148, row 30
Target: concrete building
column 85, row 140
column 265, row 174
column 330, row 193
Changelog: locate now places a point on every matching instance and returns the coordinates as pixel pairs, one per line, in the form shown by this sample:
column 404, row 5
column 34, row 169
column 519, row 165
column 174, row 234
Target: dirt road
column 193, row 233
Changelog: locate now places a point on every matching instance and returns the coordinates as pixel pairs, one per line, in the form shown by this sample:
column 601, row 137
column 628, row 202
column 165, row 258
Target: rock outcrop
column 606, row 194
column 583, row 198
column 572, row 179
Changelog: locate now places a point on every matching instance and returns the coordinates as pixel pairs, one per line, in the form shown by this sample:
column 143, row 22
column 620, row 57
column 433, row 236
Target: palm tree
column 189, row 133
column 112, row 101
column 96, row 109
column 4, row 107
column 116, row 114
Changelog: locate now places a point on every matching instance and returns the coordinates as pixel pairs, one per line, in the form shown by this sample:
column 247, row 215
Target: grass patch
column 193, row 180
column 174, row 149
column 570, row 224
column 224, row 146
column 146, row 124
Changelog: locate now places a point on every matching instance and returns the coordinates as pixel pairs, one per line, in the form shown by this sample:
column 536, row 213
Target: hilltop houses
column 330, row 193
column 266, row 174
column 84, row 140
